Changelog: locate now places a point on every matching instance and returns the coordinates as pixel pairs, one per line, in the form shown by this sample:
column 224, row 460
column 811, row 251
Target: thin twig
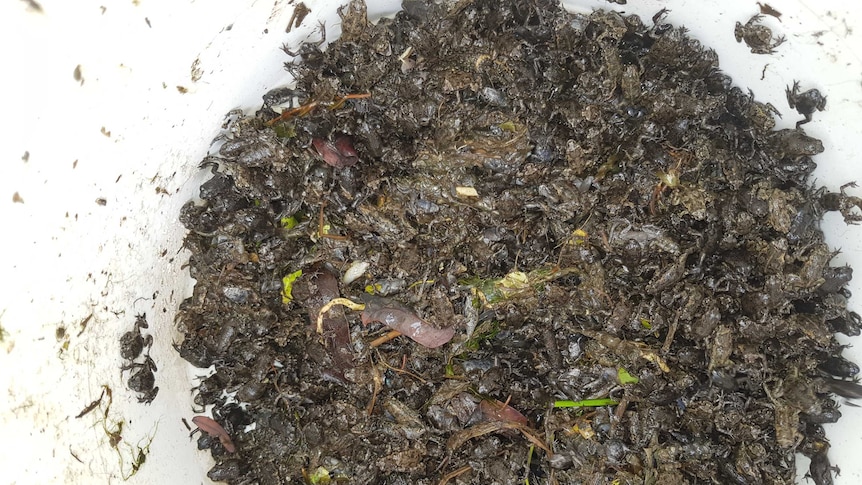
column 481, row 429
column 401, row 371
column 464, row 469
column 378, row 384
column 385, row 338
column 671, row 332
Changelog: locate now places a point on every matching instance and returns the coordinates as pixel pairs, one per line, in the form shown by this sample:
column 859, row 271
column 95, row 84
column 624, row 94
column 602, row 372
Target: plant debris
column 215, row 430
column 606, row 259
column 767, row 9
column 92, row 405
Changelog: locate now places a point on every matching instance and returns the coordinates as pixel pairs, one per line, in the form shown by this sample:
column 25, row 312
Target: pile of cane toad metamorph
column 493, row 242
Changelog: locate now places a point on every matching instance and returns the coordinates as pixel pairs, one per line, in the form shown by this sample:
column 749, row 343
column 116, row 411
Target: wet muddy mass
column 489, row 242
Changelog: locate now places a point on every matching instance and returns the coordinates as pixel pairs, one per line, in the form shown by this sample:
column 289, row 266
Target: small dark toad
column 805, row 102
column 757, row 37
column 143, row 381
column 132, row 343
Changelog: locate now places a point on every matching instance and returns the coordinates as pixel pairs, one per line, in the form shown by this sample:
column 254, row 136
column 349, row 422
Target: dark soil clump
column 602, row 262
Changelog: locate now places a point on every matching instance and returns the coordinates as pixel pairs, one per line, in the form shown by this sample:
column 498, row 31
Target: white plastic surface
column 125, row 134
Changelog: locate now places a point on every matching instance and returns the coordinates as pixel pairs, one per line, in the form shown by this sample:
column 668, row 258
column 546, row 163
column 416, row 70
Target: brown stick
column 385, row 338
column 464, row 469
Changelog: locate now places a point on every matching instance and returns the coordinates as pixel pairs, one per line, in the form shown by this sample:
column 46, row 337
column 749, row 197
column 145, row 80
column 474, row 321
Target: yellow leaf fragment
column 336, row 301
column 466, row 192
column 287, row 291
column 515, row 280
column 320, row 476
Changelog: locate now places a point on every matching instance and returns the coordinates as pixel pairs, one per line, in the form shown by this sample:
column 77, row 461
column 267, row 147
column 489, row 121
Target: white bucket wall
column 93, row 110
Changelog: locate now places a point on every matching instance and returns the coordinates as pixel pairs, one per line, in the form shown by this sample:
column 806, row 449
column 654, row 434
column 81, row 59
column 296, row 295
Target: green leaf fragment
column 514, row 284
column 420, row 283
column 508, row 126
column 372, row 289
column 624, row 377
column 284, row 130
column 645, row 323
column 485, row 331
column 289, row 222
column 287, row 292
column 320, row 476
column 516, row 280
column 586, row 403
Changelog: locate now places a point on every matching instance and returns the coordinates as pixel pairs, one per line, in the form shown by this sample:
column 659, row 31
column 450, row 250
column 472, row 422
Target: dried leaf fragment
column 92, row 405
column 466, row 191
column 481, row 429
column 398, row 317
column 339, row 153
column 767, row 9
column 494, row 410
column 211, row 427
column 455, row 473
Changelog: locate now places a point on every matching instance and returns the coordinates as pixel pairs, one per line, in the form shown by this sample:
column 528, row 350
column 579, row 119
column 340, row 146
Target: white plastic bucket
column 108, row 108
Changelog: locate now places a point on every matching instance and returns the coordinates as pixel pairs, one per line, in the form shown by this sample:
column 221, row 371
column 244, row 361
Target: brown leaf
column 494, row 410
column 339, row 154
column 215, row 430
column 318, row 288
column 457, row 439
column 398, row 317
